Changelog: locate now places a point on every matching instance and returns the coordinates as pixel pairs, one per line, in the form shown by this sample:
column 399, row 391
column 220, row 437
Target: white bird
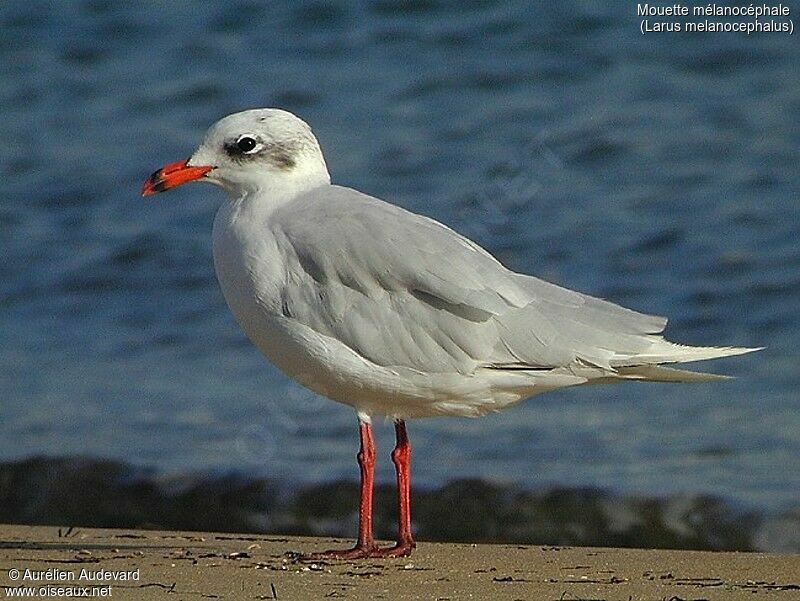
column 391, row 312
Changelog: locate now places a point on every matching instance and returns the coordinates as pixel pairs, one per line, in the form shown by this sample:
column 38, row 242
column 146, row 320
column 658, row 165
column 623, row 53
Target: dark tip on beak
column 173, row 175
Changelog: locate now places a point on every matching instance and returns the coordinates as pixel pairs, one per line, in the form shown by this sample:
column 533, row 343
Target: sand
column 142, row 564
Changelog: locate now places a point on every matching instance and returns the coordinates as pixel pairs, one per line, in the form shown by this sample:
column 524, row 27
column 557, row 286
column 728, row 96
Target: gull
column 391, row 312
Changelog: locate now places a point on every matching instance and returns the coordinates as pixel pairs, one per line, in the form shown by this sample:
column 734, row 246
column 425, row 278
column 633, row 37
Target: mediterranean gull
column 391, row 312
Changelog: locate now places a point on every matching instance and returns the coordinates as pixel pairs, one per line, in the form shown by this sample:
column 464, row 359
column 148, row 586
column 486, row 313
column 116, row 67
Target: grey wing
column 401, row 289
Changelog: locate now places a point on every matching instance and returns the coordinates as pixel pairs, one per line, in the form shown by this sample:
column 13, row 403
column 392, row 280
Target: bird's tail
column 658, row 373
column 646, row 366
column 664, row 351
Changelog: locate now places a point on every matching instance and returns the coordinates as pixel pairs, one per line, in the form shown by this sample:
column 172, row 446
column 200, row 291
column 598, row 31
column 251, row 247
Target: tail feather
column 657, row 373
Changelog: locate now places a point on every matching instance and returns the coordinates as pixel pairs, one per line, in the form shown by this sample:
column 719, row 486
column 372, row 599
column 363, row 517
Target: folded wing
column 401, row 289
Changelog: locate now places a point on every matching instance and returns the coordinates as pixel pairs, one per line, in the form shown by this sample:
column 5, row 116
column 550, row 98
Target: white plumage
column 392, row 312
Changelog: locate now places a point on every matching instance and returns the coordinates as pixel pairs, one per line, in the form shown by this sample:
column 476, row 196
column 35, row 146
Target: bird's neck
column 275, row 191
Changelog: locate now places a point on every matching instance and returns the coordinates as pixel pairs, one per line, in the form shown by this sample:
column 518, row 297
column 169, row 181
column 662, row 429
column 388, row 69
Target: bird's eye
column 246, row 144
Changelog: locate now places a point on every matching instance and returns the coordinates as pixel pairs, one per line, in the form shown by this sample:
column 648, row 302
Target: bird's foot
column 357, row 552
column 401, row 549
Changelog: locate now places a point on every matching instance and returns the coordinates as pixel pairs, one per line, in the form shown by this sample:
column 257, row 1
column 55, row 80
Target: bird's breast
column 252, row 270
column 249, row 267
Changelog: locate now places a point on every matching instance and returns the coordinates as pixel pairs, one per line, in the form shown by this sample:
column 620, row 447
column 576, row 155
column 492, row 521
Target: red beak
column 172, row 175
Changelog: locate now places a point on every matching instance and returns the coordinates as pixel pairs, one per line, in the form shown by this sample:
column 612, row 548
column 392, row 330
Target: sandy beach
column 142, row 564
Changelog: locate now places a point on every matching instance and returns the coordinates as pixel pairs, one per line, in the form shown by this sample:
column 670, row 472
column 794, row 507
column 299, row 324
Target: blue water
column 660, row 171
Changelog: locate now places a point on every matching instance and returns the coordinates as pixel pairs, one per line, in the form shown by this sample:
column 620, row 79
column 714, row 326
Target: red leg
column 366, row 461
column 401, row 456
column 365, row 546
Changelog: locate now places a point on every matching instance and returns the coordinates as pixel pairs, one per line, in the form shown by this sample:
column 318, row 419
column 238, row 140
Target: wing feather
column 404, row 290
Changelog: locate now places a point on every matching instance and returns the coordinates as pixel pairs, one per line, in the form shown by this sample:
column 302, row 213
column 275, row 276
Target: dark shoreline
column 90, row 492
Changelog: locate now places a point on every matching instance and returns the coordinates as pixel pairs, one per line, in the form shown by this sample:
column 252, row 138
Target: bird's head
column 259, row 149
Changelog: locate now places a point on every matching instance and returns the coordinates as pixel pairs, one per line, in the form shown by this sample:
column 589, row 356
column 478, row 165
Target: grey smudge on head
column 280, row 155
